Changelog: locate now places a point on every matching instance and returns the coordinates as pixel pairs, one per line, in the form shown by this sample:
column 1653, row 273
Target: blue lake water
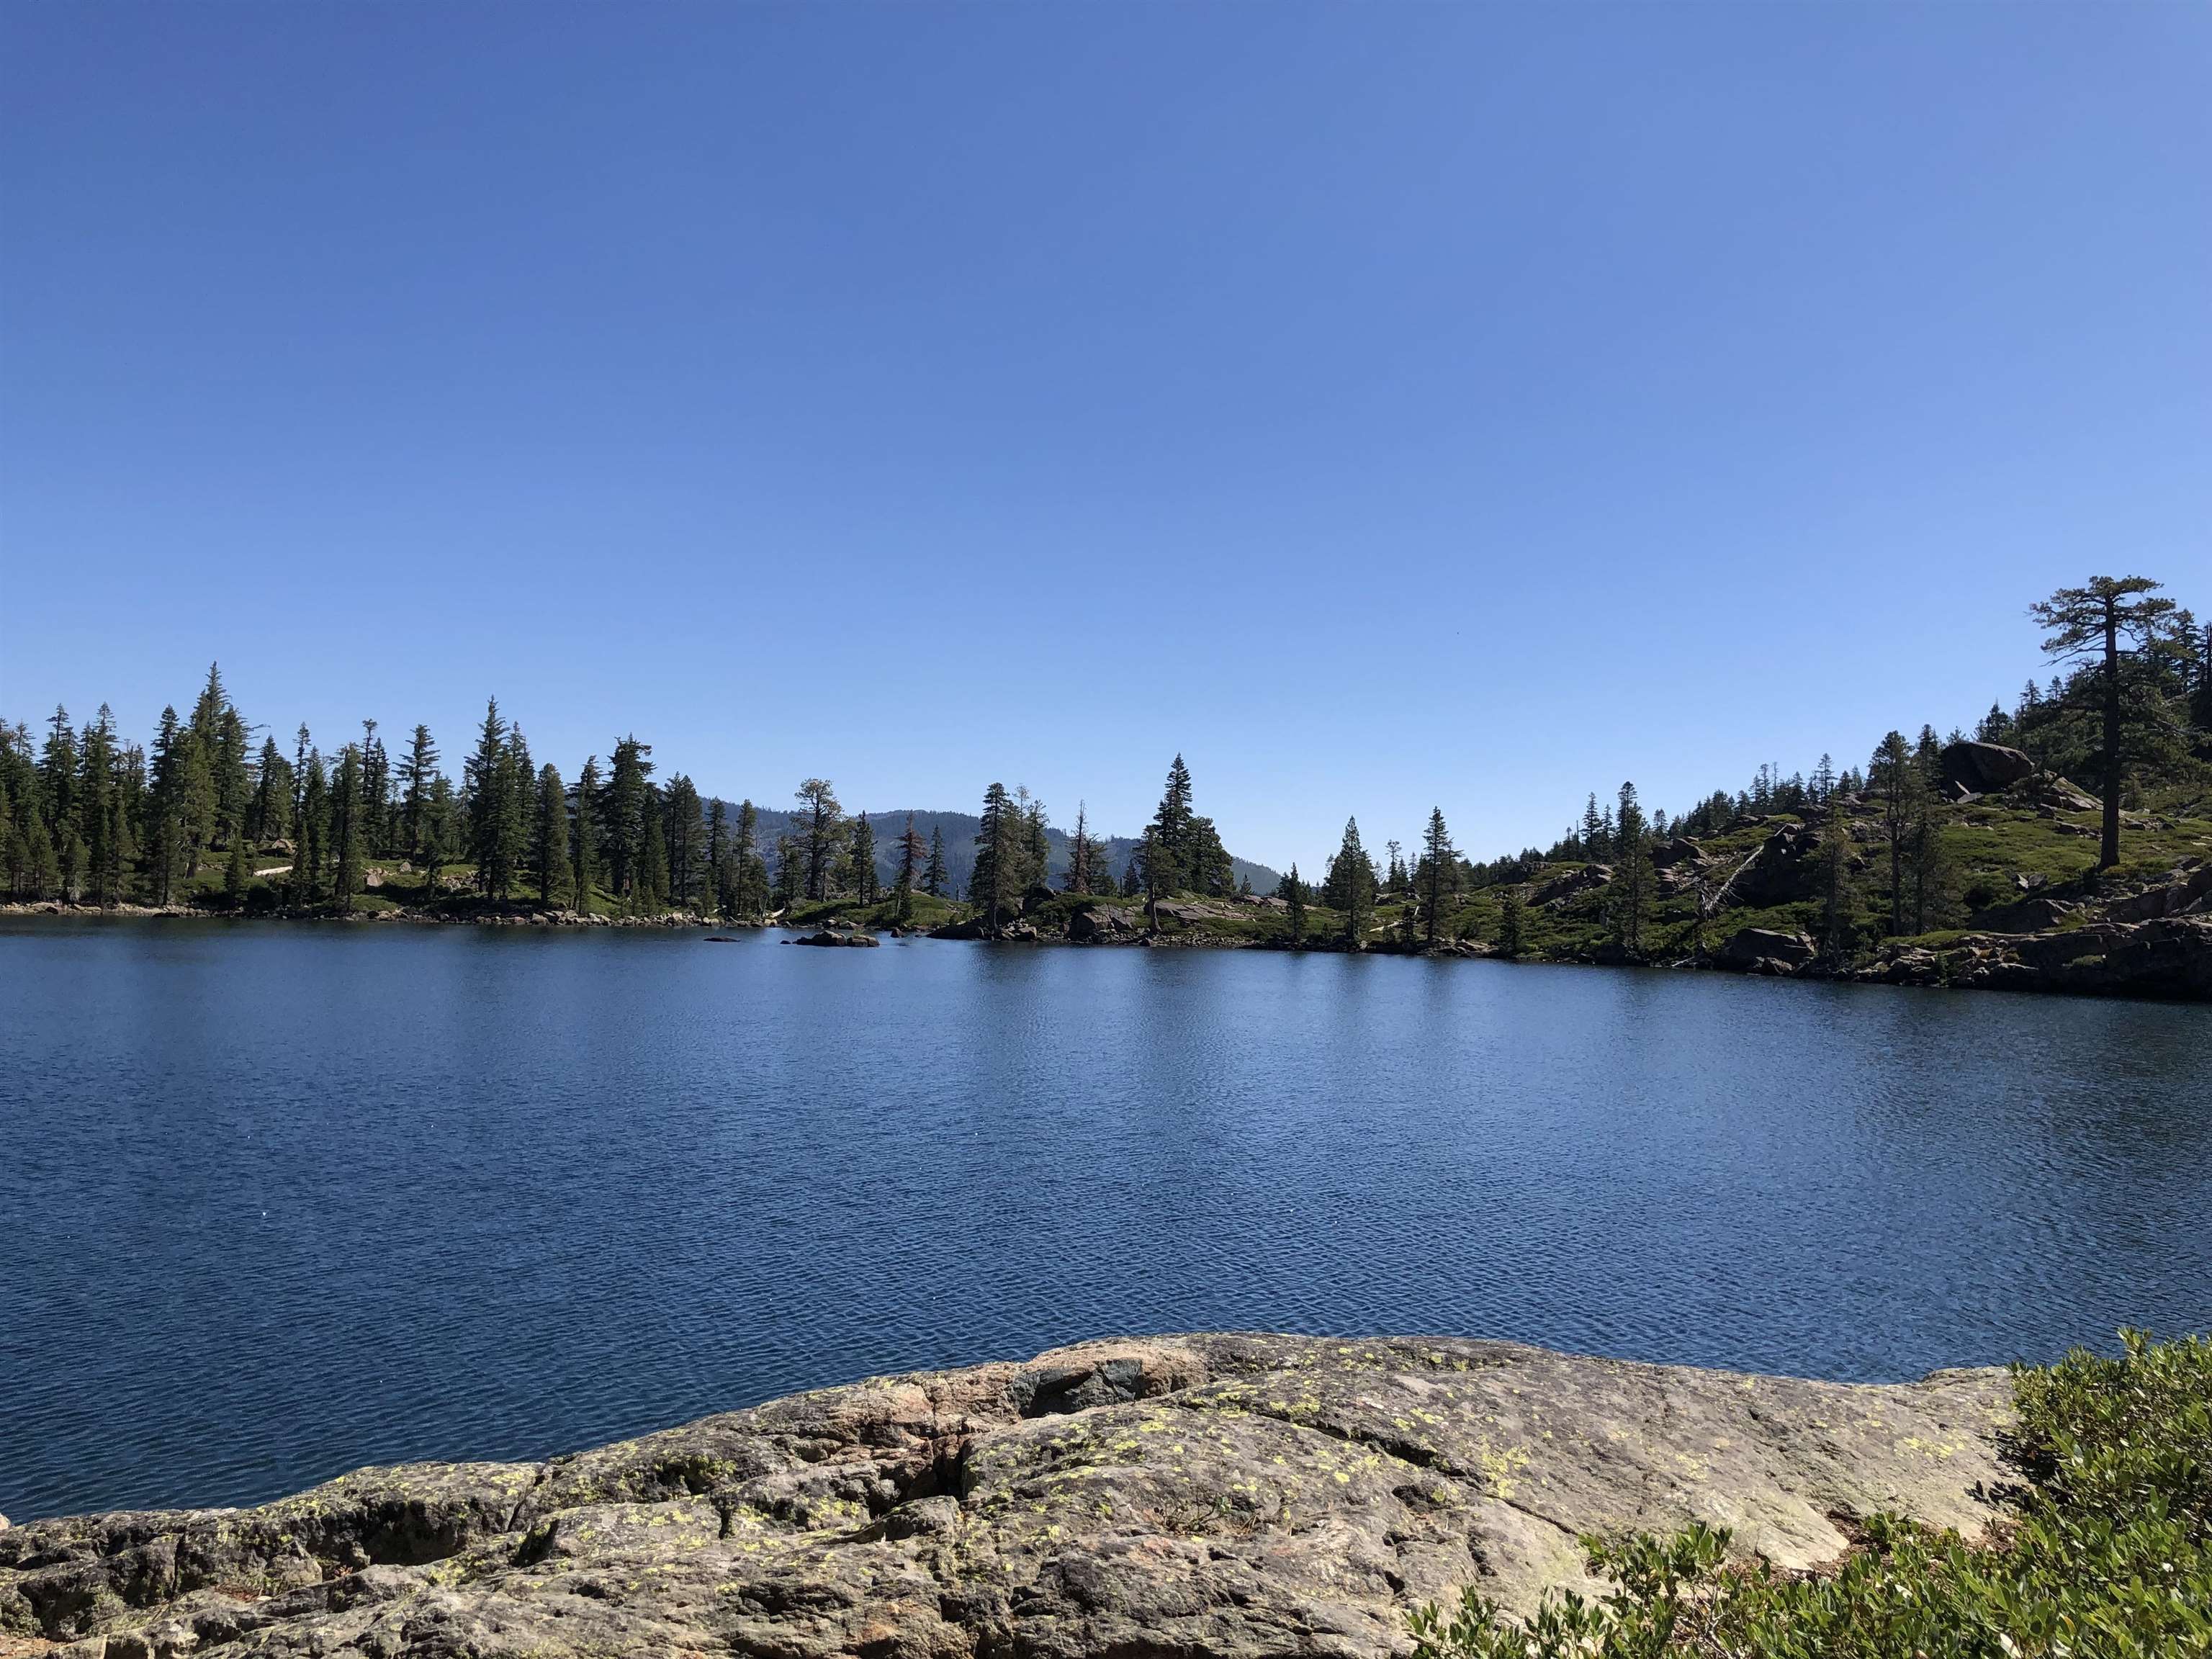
column 279, row 1201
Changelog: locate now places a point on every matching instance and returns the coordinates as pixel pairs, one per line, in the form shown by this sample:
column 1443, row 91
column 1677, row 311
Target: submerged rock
column 1229, row 1495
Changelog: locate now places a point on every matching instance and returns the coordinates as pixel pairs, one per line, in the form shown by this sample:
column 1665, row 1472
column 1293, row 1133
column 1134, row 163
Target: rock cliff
column 1197, row 1495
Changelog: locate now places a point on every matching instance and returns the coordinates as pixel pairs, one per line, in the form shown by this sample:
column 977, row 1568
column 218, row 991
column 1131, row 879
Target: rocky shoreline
column 1239, row 1495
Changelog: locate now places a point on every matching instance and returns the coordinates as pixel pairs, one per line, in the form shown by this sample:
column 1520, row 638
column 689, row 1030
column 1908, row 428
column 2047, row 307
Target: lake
column 278, row 1200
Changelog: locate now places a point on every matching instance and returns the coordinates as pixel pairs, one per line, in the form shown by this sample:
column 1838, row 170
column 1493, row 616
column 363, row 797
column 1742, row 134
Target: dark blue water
column 278, row 1201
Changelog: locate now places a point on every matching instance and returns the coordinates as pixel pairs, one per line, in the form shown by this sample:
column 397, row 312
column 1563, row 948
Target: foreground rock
column 1199, row 1495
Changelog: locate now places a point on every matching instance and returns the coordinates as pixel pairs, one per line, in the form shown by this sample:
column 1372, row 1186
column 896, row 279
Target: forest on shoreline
column 206, row 818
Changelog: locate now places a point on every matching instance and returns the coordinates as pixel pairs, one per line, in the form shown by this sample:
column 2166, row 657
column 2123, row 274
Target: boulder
column 1781, row 870
column 828, row 936
column 1562, row 887
column 1763, row 951
column 1244, row 1497
column 1096, row 924
column 1982, row 768
column 1036, row 895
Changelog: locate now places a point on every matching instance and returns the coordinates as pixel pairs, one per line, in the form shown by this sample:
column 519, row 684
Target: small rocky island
column 1226, row 1495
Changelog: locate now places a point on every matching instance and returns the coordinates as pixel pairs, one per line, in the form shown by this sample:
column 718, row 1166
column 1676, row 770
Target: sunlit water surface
column 276, row 1201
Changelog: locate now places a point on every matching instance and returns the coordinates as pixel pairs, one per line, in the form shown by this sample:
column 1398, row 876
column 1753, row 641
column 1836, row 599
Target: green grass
column 2106, row 1553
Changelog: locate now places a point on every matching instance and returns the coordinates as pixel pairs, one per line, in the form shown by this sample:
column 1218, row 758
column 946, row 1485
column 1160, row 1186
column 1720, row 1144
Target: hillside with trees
column 2009, row 854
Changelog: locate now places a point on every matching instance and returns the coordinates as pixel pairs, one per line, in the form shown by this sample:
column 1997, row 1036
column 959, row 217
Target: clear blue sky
column 1384, row 405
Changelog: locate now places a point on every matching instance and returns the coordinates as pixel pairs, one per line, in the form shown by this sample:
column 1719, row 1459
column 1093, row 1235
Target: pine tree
column 437, row 825
column 650, row 896
column 1350, row 888
column 911, row 854
column 485, row 778
column 993, row 889
column 349, row 832
column 935, row 881
column 790, row 871
column 237, row 874
column 416, row 772
column 819, row 812
column 1835, row 873
column 2114, row 624
column 720, row 891
column 1511, row 943
column 1630, row 893
column 1078, row 853
column 627, row 809
column 864, row 859
column 1439, row 874
column 548, row 839
column 1294, row 899
column 688, row 873
column 1168, row 866
column 584, row 839
column 1594, row 850
column 314, row 822
column 167, row 838
column 1893, row 776
column 270, row 817
column 375, row 792
column 752, row 866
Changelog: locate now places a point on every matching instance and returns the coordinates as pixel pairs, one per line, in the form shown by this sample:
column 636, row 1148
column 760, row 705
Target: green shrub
column 2107, row 1554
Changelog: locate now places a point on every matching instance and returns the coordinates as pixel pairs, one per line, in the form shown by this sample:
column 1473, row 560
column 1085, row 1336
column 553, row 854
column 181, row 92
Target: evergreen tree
column 650, row 894
column 1294, row 898
column 752, row 866
column 685, row 822
column 270, row 817
column 1439, row 875
column 819, row 813
column 721, row 889
column 1594, row 848
column 237, row 874
column 1169, row 865
column 790, row 871
column 1629, row 894
column 107, row 845
column 1350, row 888
column 166, row 839
column 1207, row 867
column 548, row 840
column 935, row 881
column 375, row 792
column 349, row 831
column 314, row 822
column 1034, row 843
column 993, row 887
column 1079, row 852
column 1835, row 873
column 415, row 773
column 1511, row 942
column 911, row 854
column 486, row 777
column 437, row 818
column 864, row 859
column 2111, row 624
column 1894, row 777
column 628, row 810
column 584, row 839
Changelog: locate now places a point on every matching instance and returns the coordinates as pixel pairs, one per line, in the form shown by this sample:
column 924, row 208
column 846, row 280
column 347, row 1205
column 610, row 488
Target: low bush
column 2106, row 1553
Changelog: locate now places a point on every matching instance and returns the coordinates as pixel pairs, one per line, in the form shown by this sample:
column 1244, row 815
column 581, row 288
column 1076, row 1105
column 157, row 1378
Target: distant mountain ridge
column 960, row 830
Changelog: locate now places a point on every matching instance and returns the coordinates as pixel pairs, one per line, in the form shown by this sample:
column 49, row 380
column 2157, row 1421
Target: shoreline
column 2160, row 958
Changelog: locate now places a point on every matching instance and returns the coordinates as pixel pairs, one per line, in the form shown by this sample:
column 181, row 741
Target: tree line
column 89, row 817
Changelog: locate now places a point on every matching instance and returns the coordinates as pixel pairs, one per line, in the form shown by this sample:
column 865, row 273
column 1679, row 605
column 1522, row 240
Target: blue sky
column 1383, row 405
